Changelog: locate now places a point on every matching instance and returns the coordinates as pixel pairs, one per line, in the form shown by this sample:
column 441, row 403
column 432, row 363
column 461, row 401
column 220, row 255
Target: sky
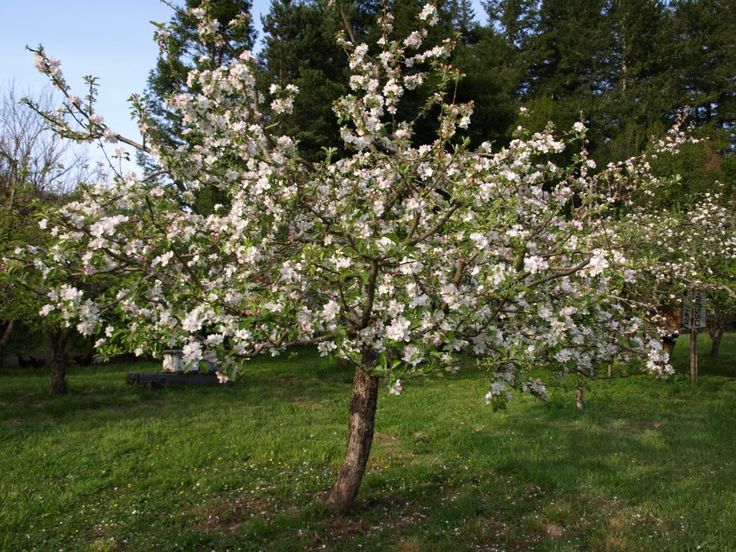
column 110, row 40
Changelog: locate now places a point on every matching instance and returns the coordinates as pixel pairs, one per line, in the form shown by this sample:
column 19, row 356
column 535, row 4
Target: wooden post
column 693, row 344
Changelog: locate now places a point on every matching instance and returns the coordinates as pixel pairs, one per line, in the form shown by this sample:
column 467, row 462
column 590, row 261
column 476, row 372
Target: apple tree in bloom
column 687, row 248
column 399, row 257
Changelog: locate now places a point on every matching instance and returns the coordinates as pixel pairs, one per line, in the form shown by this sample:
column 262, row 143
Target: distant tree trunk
column 7, row 331
column 693, row 350
column 580, row 398
column 59, row 338
column 715, row 345
column 360, row 436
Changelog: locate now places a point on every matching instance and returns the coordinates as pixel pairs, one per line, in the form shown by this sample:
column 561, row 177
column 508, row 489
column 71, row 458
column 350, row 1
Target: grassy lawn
column 648, row 466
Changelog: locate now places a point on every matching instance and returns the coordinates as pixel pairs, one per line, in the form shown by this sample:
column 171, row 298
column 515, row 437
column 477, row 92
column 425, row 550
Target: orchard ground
column 648, row 466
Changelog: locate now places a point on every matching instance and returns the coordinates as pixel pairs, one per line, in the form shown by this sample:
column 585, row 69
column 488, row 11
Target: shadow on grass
column 99, row 395
column 445, row 472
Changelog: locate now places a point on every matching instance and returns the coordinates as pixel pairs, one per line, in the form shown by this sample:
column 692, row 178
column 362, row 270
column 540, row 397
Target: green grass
column 648, row 466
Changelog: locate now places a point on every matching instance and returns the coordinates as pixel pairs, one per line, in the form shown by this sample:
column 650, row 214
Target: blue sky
column 110, row 40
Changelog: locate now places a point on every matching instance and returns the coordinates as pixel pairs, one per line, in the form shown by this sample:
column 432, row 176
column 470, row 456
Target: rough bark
column 58, row 338
column 580, row 398
column 7, row 331
column 693, row 352
column 360, row 437
column 8, row 326
column 715, row 344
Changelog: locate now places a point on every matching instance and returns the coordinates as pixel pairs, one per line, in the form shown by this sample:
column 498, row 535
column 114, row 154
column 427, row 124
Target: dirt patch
column 288, row 380
column 337, row 529
column 555, row 531
column 395, row 516
column 385, row 439
column 408, row 546
column 225, row 516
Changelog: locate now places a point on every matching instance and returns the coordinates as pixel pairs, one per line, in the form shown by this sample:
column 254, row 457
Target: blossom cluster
column 416, row 253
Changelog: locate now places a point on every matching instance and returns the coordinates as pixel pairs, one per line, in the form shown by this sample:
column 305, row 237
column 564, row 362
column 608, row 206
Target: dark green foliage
column 182, row 50
column 300, row 49
column 489, row 81
column 704, row 33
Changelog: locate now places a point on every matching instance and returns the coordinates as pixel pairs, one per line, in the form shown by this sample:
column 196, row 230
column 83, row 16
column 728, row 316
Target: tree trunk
column 360, row 436
column 5, row 338
column 715, row 345
column 580, row 398
column 58, row 338
column 693, row 351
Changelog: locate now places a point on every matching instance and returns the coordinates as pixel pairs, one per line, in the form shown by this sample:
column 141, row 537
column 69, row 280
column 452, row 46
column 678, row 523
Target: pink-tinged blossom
column 330, row 310
column 192, row 353
column 429, row 14
column 398, row 329
column 416, row 252
column 396, row 388
column 534, row 264
column 597, row 263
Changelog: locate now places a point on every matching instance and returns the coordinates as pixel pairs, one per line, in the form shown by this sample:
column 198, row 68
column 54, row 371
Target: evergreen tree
column 490, row 79
column 567, row 59
column 640, row 100
column 185, row 47
column 705, row 61
column 182, row 49
column 463, row 19
column 515, row 20
column 300, row 49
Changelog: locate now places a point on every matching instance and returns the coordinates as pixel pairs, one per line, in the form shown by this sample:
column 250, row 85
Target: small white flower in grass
column 222, row 377
column 396, row 388
column 578, row 127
